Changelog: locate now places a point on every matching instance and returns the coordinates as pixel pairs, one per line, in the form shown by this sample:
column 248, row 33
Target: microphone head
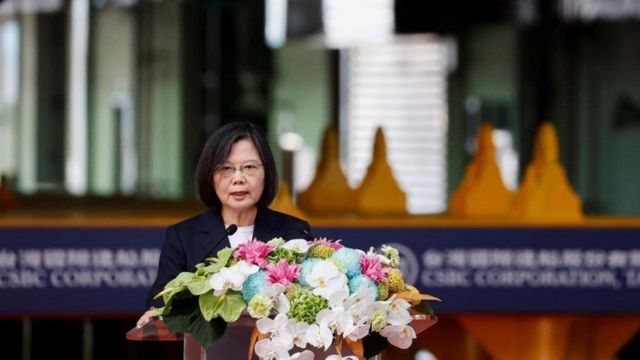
column 231, row 229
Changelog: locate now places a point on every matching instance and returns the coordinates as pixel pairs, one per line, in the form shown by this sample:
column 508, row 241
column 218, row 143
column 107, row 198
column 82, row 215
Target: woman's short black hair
column 216, row 151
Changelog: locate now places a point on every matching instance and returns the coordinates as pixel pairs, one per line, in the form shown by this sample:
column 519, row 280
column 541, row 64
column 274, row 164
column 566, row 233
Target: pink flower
column 254, row 252
column 335, row 245
column 282, row 273
column 371, row 267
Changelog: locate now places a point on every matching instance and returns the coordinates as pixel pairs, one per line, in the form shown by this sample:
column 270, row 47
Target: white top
column 241, row 236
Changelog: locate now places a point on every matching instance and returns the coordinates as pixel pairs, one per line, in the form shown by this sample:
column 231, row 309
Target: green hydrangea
column 392, row 254
column 281, row 253
column 378, row 320
column 305, row 306
column 260, row 306
column 321, row 251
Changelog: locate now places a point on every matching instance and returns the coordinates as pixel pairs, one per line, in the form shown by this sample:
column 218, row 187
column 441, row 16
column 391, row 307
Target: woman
column 236, row 179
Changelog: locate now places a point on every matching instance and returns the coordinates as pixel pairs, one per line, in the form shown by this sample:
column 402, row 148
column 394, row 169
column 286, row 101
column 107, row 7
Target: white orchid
column 359, row 308
column 338, row 357
column 282, row 304
column 327, row 281
column 230, row 278
column 272, row 290
column 359, row 315
column 304, row 355
column 365, row 296
column 299, row 331
column 400, row 336
column 271, row 349
column 245, row 268
column 358, row 324
column 276, row 292
column 383, row 259
column 359, row 312
column 276, row 328
column 226, row 279
column 357, row 332
column 337, row 320
column 297, row 245
column 322, row 274
column 398, row 312
column 335, row 294
column 319, row 336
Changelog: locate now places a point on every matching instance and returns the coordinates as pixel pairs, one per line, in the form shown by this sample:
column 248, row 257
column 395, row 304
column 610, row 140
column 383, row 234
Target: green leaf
column 181, row 315
column 200, row 270
column 169, row 293
column 232, row 306
column 224, row 255
column 424, row 308
column 174, row 286
column 178, row 296
column 223, row 258
column 182, row 279
column 209, row 305
column 207, row 332
column 199, row 285
column 185, row 317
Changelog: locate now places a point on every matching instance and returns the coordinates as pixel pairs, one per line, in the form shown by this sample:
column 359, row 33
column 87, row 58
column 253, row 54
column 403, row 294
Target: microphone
column 230, row 230
column 309, row 235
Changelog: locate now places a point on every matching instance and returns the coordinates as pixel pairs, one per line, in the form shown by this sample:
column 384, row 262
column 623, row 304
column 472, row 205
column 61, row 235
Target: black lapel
column 209, row 232
column 268, row 225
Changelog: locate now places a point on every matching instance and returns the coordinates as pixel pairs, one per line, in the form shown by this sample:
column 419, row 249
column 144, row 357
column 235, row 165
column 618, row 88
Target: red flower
column 371, row 267
column 254, row 252
column 282, row 273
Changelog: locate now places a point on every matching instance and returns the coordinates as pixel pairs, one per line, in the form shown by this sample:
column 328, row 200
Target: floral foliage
column 303, row 294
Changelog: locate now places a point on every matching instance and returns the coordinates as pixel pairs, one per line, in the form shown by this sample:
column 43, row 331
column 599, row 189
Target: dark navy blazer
column 188, row 242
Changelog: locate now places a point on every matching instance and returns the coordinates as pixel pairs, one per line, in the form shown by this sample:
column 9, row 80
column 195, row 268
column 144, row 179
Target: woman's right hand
column 145, row 318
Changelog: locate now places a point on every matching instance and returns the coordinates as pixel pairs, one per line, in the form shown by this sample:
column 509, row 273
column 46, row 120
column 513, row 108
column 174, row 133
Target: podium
column 235, row 342
column 233, row 345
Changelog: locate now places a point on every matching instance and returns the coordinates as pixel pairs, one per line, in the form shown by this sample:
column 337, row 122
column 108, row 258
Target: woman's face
column 239, row 181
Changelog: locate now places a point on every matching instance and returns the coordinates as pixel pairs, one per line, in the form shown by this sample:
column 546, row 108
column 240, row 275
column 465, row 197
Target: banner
column 108, row 270
column 516, row 269
column 77, row 270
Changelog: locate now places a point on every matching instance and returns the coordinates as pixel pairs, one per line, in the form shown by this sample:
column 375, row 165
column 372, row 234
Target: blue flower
column 306, row 268
column 253, row 284
column 359, row 281
column 350, row 259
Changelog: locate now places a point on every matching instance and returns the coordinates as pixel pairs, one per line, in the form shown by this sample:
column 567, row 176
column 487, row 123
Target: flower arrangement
column 302, row 293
